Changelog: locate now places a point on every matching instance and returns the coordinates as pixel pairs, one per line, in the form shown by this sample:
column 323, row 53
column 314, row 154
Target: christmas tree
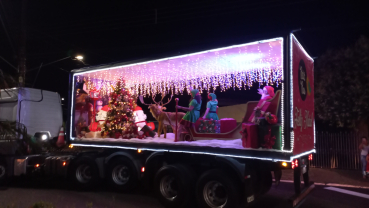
column 120, row 121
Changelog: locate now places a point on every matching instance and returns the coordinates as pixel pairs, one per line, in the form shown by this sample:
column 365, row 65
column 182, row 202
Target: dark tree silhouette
column 342, row 85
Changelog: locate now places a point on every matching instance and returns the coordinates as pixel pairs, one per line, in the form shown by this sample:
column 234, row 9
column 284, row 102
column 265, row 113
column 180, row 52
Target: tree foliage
column 342, row 85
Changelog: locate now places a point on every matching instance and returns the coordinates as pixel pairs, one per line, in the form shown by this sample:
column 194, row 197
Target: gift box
column 148, row 131
column 249, row 135
column 227, row 124
column 208, row 126
column 267, row 132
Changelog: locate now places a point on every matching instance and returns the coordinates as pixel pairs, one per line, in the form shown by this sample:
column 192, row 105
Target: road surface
column 22, row 194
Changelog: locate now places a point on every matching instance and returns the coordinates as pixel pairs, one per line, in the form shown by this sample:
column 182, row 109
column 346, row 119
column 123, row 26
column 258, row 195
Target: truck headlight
column 42, row 136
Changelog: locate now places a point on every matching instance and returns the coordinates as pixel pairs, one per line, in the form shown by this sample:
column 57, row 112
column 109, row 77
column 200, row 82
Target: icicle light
column 236, row 66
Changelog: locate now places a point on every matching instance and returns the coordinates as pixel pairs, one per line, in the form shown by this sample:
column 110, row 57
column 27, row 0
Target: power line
column 9, row 63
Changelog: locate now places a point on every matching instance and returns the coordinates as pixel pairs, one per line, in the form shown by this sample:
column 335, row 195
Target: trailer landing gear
column 300, row 194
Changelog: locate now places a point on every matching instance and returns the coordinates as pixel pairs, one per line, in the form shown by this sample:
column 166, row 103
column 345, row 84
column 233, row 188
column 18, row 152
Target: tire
column 267, row 182
column 85, row 173
column 216, row 189
column 174, row 185
column 262, row 181
column 122, row 174
column 3, row 173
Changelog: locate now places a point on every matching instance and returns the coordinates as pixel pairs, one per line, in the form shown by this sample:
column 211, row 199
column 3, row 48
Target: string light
column 229, row 67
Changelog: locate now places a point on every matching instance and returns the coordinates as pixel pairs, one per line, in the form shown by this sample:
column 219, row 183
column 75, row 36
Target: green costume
column 191, row 116
column 213, row 107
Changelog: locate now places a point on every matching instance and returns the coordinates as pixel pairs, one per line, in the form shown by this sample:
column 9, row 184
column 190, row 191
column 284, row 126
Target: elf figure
column 211, row 108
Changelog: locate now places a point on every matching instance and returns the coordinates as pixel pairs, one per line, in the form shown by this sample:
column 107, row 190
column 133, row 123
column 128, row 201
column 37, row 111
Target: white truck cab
column 40, row 111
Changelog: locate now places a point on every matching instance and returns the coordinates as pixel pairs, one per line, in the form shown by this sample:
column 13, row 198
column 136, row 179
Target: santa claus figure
column 102, row 114
column 140, row 121
column 95, row 127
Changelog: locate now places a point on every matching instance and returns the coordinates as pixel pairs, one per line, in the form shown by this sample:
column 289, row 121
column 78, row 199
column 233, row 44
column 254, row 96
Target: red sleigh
column 235, row 133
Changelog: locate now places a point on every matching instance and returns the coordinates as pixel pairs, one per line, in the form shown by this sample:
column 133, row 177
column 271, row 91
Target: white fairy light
column 203, row 70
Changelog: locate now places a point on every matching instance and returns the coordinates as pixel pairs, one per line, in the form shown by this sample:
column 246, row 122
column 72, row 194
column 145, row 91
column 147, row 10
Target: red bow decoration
column 269, row 139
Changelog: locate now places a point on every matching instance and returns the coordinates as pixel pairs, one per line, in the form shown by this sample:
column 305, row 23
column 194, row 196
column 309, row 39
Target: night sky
column 112, row 31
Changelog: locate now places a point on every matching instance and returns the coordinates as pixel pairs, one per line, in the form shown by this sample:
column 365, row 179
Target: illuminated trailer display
column 222, row 158
column 235, row 67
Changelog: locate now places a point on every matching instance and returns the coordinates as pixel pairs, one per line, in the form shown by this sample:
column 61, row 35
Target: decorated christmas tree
column 120, row 120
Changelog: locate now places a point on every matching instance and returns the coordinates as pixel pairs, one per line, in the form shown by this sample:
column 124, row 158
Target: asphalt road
column 61, row 194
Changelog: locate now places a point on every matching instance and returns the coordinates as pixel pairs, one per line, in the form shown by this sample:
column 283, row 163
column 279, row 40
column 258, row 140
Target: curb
column 329, row 184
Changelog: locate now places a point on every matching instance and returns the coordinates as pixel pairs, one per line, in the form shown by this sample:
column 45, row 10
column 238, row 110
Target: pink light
column 247, row 63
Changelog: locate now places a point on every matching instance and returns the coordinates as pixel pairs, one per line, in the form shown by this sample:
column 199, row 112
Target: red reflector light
column 37, row 165
column 295, row 164
column 311, row 157
column 142, row 169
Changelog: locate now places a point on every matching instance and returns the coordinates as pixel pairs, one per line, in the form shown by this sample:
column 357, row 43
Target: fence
column 337, row 150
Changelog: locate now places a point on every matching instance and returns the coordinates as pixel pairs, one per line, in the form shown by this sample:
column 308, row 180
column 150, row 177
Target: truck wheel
column 262, row 180
column 267, row 182
column 3, row 173
column 85, row 172
column 174, row 185
column 215, row 189
column 122, row 174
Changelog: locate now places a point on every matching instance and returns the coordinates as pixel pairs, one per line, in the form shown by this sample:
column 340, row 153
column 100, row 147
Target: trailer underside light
column 142, row 169
column 284, row 164
column 37, row 165
column 64, row 163
column 71, row 146
column 311, row 157
column 139, row 150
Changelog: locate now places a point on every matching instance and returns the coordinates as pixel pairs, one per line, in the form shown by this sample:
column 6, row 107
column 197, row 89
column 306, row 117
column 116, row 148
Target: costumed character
column 95, row 127
column 211, row 108
column 83, row 110
column 266, row 93
column 193, row 112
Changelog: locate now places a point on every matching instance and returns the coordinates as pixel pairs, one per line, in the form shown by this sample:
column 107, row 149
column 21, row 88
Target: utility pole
column 22, row 45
